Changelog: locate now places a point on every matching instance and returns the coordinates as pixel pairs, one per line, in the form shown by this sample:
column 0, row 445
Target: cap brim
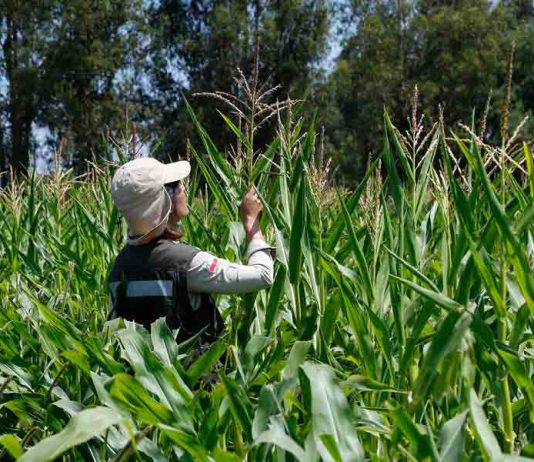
column 176, row 171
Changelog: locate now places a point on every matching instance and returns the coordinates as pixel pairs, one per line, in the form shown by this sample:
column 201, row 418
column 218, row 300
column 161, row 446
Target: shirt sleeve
column 210, row 274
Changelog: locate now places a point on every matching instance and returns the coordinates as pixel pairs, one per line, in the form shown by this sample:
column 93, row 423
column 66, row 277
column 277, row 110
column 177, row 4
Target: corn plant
column 399, row 325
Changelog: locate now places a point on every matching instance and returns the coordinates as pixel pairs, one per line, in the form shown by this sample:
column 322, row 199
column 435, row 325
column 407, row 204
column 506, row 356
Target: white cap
column 138, row 190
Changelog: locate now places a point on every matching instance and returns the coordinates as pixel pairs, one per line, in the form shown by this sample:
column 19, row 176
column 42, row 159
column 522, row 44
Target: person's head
column 151, row 197
column 178, row 194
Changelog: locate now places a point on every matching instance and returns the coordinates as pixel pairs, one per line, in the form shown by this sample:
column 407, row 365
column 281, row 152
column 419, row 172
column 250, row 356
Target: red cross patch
column 213, row 265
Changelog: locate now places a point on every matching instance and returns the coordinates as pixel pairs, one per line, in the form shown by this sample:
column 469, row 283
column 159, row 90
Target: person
column 155, row 276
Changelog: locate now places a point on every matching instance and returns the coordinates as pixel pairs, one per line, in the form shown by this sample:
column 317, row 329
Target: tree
column 195, row 47
column 85, row 67
column 370, row 74
column 198, row 48
column 455, row 51
column 24, row 29
column 459, row 56
column 62, row 62
column 520, row 11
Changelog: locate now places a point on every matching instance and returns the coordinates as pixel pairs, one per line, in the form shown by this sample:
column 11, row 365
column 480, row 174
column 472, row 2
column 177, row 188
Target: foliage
column 455, row 52
column 209, row 42
column 399, row 326
column 62, row 60
column 71, row 73
column 78, row 94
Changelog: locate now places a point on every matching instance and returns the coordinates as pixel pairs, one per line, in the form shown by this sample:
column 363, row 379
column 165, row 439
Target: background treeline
column 73, row 71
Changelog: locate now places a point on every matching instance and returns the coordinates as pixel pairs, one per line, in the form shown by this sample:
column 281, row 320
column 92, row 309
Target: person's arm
column 208, row 273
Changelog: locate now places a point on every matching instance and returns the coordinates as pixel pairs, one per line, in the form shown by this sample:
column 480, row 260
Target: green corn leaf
column 522, row 266
column 395, row 291
column 78, row 359
column 519, row 326
column 351, row 311
column 479, row 255
column 417, row 440
column 485, row 437
column 357, row 250
column 338, row 223
column 363, row 383
column 240, row 406
column 447, row 338
column 265, row 163
column 82, row 427
column 382, row 336
column 303, row 157
column 296, row 357
column 297, row 231
column 509, row 458
column 186, row 441
column 268, row 405
column 256, row 346
column 399, row 149
column 530, row 169
column 329, row 413
column 205, row 363
column 133, row 396
column 424, row 176
column 164, row 343
column 215, row 186
column 521, row 376
column 236, row 131
column 98, row 229
column 330, row 444
column 217, row 160
column 279, row 439
column 451, row 438
column 414, row 271
column 436, row 297
column 12, row 445
column 275, row 296
column 163, row 381
column 524, row 220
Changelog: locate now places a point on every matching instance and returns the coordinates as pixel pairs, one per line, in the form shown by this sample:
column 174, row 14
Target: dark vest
column 149, row 281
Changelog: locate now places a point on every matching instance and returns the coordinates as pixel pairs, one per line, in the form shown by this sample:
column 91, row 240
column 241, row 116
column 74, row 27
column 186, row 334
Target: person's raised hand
column 251, row 208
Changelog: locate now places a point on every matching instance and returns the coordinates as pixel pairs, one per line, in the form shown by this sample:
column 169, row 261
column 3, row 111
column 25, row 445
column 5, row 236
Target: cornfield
column 400, row 325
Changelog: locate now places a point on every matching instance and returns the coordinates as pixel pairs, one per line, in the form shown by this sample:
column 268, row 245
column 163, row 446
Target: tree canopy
column 72, row 71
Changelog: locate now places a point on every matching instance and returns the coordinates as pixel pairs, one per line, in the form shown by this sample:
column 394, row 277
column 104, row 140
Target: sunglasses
column 171, row 187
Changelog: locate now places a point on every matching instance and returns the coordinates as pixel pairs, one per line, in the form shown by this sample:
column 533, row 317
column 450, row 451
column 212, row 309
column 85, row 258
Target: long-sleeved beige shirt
column 208, row 273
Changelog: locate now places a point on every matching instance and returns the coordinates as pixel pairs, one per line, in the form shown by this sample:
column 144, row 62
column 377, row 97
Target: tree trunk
column 20, row 104
column 3, row 155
